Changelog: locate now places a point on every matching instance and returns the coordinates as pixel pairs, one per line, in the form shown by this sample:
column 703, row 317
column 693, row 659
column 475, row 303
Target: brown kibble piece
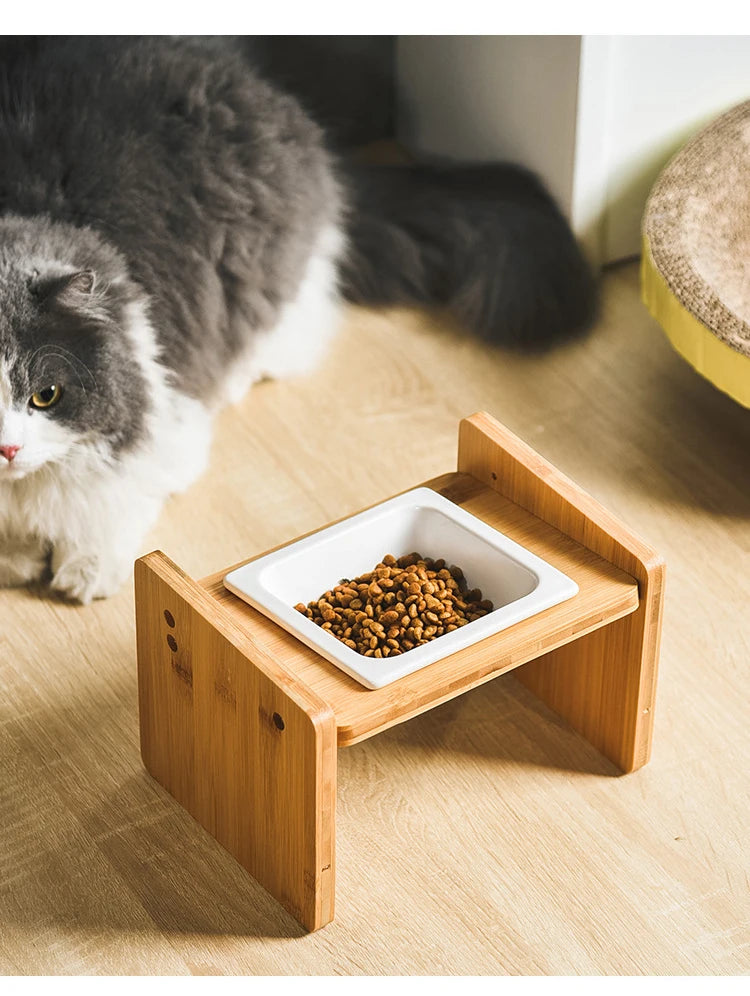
column 401, row 604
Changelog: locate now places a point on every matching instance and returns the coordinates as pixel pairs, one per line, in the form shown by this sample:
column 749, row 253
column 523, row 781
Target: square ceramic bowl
column 518, row 582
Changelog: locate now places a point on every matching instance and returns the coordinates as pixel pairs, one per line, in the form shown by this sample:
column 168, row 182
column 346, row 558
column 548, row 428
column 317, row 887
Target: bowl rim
column 553, row 587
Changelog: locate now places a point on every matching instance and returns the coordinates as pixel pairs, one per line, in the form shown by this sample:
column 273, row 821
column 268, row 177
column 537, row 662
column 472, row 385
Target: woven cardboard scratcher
column 695, row 270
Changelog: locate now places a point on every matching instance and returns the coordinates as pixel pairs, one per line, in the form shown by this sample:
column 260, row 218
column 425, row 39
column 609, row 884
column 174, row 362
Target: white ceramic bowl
column 518, row 582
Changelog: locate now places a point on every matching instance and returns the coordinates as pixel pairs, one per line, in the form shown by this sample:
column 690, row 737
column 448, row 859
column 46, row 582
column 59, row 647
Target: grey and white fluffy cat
column 173, row 229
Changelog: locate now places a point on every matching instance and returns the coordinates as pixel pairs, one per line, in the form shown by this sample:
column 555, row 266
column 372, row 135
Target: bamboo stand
column 240, row 722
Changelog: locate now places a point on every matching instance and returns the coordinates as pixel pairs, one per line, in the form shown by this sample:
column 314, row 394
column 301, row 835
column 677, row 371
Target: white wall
column 660, row 91
column 596, row 118
column 492, row 97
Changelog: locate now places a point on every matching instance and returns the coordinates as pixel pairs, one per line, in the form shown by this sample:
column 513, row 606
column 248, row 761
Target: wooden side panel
column 604, row 684
column 165, row 693
column 250, row 755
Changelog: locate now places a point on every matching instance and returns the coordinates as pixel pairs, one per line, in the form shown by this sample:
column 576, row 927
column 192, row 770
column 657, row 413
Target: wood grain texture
column 484, row 837
column 605, row 594
column 250, row 755
column 605, row 685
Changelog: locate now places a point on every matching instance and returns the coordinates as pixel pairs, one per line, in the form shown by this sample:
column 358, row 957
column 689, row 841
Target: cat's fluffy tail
column 486, row 242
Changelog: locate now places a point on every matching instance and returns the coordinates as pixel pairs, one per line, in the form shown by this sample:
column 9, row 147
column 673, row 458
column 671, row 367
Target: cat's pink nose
column 9, row 452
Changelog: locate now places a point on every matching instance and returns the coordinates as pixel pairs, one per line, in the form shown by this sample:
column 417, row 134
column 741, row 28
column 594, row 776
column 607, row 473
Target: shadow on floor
column 100, row 846
column 674, row 434
column 500, row 721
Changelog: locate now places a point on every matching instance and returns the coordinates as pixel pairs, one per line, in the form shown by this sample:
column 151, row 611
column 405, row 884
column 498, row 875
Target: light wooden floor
column 484, row 837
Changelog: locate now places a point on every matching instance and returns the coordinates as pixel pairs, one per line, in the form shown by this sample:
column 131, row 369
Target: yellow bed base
column 725, row 367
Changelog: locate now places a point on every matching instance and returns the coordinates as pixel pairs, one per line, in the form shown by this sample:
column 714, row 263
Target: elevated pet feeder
column 241, row 721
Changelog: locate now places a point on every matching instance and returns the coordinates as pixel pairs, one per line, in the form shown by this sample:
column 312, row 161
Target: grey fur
column 210, row 185
column 159, row 188
column 487, row 242
column 169, row 164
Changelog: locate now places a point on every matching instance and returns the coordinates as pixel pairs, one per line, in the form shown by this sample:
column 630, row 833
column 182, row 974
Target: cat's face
column 68, row 379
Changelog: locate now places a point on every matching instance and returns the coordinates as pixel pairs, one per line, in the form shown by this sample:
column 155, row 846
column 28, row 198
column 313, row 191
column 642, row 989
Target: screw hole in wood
column 172, row 642
column 169, row 618
column 278, row 721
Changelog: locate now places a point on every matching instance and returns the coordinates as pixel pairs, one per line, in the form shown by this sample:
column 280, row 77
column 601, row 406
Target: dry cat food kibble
column 401, row 604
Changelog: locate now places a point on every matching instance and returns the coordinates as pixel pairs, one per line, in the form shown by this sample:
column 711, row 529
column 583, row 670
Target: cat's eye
column 47, row 397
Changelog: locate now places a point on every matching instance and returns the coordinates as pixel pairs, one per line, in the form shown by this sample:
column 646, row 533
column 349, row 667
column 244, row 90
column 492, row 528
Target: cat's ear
column 82, row 282
column 71, row 289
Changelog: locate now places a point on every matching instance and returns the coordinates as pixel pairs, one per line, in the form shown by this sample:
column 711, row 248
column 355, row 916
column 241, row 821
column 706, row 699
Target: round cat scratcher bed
column 695, row 267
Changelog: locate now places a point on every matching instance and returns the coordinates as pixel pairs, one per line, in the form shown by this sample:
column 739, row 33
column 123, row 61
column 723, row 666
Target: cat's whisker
column 66, row 356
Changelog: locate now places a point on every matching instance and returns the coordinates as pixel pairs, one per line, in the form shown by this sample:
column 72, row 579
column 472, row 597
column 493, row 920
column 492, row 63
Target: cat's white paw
column 82, row 578
column 77, row 579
